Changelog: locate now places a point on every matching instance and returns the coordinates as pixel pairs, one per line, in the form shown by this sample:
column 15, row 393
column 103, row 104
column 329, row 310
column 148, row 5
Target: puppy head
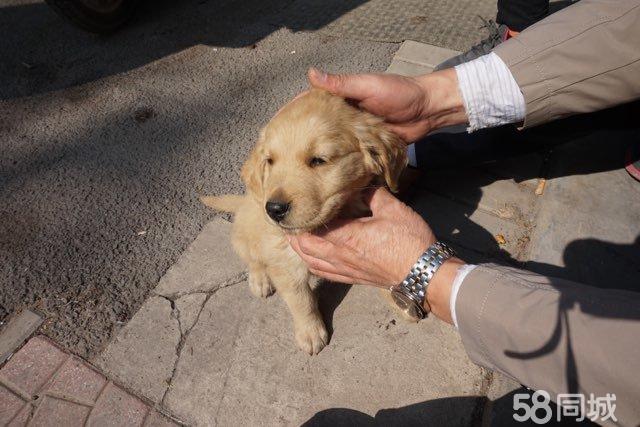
column 315, row 154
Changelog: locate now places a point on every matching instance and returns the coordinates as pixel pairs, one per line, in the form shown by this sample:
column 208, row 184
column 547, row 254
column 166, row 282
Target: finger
column 333, row 277
column 409, row 133
column 354, row 86
column 311, row 261
column 312, row 245
column 380, row 200
column 339, row 230
column 341, row 262
column 338, row 278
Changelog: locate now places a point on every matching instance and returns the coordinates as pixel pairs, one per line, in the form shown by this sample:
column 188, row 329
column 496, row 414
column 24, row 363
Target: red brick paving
column 77, row 379
column 23, row 416
column 58, row 412
column 42, row 385
column 10, row 404
column 30, row 368
column 116, row 407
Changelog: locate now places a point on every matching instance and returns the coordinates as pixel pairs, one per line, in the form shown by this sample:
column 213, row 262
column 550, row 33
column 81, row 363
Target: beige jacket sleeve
column 583, row 58
column 554, row 335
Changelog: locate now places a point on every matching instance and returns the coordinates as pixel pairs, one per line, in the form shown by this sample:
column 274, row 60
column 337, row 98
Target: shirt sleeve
column 490, row 93
column 455, row 288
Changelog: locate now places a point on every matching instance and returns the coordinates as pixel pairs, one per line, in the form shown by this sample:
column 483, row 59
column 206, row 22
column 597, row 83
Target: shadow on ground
column 42, row 52
column 580, row 145
column 440, row 412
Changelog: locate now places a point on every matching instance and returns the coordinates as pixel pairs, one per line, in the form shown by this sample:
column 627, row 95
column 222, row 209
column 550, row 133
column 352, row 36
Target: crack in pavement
column 239, row 278
column 184, row 335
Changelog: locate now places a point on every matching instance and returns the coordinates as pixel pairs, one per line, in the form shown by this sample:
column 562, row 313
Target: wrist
column 444, row 105
column 439, row 291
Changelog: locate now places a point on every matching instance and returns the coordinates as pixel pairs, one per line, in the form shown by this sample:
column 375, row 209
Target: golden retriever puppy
column 310, row 165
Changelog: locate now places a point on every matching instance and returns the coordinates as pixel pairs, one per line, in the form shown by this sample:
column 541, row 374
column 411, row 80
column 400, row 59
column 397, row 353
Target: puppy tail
column 226, row 203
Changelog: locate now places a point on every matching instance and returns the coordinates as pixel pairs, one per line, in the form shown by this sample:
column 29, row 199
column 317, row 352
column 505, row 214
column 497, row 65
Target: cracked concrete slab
column 188, row 308
column 242, row 350
column 209, row 262
column 142, row 356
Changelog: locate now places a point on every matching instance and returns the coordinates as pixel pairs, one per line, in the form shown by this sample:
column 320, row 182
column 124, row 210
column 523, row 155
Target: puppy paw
column 311, row 336
column 260, row 284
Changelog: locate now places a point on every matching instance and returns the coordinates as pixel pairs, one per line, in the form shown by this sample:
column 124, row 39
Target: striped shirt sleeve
column 490, row 93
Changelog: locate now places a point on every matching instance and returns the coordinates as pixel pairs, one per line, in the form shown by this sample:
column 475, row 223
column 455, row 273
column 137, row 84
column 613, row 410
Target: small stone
column 143, row 114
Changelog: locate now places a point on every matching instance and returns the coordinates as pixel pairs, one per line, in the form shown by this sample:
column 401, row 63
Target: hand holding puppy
column 376, row 250
column 411, row 106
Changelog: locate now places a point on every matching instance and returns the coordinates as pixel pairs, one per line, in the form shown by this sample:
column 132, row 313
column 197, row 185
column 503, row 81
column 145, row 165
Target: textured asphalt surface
column 106, row 142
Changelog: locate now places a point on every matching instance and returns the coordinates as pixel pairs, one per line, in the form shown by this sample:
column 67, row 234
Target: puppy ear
column 252, row 172
column 384, row 152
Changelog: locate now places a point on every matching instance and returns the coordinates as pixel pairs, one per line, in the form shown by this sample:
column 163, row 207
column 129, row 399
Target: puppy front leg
column 259, row 282
column 310, row 332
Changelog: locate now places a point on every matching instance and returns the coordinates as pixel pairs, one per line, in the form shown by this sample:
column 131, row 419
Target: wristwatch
column 410, row 295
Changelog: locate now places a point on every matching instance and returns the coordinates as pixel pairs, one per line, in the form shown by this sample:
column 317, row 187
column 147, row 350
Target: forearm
column 482, row 93
column 582, row 59
column 444, row 104
column 439, row 291
column 553, row 335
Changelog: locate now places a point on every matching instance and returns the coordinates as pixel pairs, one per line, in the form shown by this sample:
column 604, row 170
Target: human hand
column 411, row 106
column 376, row 250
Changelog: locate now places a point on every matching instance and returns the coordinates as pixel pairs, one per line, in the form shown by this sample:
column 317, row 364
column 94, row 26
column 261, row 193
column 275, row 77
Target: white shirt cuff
column 457, row 282
column 490, row 94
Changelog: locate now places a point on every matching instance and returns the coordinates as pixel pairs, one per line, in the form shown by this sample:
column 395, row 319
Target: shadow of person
column 41, row 52
column 458, row 165
column 460, row 411
column 598, row 142
column 451, row 411
column 597, row 263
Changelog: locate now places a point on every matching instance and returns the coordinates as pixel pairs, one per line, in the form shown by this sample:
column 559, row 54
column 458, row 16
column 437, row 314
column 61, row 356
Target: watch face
column 407, row 305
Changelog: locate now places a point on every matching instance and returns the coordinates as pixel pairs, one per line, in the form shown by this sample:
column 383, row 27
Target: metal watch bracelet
column 417, row 281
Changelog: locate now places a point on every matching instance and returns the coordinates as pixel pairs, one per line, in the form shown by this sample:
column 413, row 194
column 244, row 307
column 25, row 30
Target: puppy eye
column 316, row 161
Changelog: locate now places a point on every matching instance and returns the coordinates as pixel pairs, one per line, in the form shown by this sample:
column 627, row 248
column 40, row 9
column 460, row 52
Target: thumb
column 380, row 200
column 353, row 86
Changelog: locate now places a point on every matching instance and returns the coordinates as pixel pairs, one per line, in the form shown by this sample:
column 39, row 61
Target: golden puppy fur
column 312, row 161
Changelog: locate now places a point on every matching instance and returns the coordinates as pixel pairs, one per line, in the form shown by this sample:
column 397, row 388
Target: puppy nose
column 277, row 209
